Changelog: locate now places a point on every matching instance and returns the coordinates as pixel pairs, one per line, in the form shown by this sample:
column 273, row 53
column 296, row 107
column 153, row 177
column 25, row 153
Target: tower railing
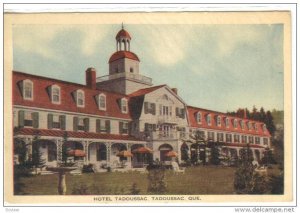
column 127, row 75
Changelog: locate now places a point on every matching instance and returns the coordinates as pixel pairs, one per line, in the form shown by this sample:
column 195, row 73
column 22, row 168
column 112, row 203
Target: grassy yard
column 197, row 180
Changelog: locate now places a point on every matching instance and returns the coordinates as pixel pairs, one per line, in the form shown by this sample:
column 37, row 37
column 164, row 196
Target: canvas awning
column 76, row 153
column 124, row 153
column 142, row 150
column 171, row 154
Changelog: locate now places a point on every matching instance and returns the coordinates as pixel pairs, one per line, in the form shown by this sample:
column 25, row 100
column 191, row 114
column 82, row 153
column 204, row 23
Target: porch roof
column 72, row 134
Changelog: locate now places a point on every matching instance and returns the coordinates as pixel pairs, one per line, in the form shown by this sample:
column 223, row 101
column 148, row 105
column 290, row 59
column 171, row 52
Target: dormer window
column 255, row 126
column 27, row 87
column 198, row 117
column 249, row 126
column 101, row 101
column 80, row 98
column 124, row 105
column 219, row 120
column 235, row 123
column 131, row 69
column 242, row 124
column 264, row 127
column 227, row 122
column 55, row 94
column 208, row 119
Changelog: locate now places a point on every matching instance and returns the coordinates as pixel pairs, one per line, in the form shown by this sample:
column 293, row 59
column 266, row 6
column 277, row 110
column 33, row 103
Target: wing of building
column 107, row 121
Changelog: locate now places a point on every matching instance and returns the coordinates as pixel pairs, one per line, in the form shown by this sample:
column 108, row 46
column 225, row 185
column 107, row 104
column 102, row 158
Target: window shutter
column 121, row 127
column 107, row 126
column 146, row 127
column 21, row 118
column 86, row 122
column 50, row 121
column 153, row 108
column 98, row 123
column 182, row 113
column 35, row 119
column 154, row 127
column 75, row 124
column 62, row 120
column 146, row 107
column 177, row 111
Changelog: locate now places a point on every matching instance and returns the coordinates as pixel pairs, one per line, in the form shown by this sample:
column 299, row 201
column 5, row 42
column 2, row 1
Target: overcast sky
column 218, row 67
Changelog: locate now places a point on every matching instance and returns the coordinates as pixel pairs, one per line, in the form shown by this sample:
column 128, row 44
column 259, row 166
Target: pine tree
column 37, row 160
column 244, row 171
column 215, row 154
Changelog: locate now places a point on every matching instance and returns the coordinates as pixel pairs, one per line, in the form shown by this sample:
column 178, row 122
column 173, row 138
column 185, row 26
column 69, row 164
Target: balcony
column 163, row 119
column 126, row 75
column 164, row 135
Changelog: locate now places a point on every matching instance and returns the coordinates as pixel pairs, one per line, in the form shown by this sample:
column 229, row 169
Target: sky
column 216, row 67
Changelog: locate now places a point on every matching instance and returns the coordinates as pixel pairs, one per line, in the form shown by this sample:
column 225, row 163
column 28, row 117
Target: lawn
column 196, row 180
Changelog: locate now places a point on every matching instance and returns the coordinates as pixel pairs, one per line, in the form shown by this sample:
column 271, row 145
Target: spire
column 122, row 26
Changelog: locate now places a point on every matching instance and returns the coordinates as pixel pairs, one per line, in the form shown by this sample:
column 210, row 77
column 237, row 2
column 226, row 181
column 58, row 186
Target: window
column 102, row 102
column 211, row 136
column 81, row 124
column 102, row 126
column 228, row 138
column 242, row 123
column 124, row 107
column 198, row 117
column 123, row 127
column 180, row 112
column 220, row 137
column 28, row 89
column 219, row 120
column 227, row 122
column 264, row 127
column 116, row 70
column 235, row 123
column 244, row 139
column 208, row 119
column 257, row 140
column 265, row 141
column 55, row 94
column 255, row 126
column 250, row 139
column 149, row 108
column 249, row 126
column 56, row 121
column 28, row 119
column 200, row 134
column 131, row 69
column 80, row 98
column 236, row 138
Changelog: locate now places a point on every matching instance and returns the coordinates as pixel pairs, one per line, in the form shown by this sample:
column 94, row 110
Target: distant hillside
column 278, row 116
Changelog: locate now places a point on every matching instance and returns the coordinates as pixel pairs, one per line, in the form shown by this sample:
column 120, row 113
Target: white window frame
column 53, row 87
column 255, row 127
column 227, row 121
column 99, row 101
column 124, row 103
column 218, row 120
column 199, row 117
column 249, row 126
column 77, row 98
column 27, row 81
column 235, row 123
column 242, row 125
column 264, row 127
column 208, row 119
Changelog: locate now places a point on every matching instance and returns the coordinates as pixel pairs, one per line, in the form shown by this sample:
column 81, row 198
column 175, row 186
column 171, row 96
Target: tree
column 215, row 154
column 268, row 157
column 244, row 171
column 199, row 142
column 37, row 160
column 156, row 178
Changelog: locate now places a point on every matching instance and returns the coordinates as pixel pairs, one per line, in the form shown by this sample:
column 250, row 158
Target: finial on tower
column 122, row 26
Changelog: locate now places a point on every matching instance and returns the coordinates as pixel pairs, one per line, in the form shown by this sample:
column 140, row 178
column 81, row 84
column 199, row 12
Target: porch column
column 129, row 149
column 59, row 151
column 108, row 148
column 238, row 152
column 28, row 142
column 85, row 149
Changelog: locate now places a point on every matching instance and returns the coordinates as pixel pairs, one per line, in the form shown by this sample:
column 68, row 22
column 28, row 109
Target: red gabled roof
column 204, row 112
column 123, row 33
column 42, row 98
column 123, row 54
column 71, row 134
column 145, row 91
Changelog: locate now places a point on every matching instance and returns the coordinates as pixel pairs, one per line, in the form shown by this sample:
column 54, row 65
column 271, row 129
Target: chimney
column 90, row 78
column 175, row 90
